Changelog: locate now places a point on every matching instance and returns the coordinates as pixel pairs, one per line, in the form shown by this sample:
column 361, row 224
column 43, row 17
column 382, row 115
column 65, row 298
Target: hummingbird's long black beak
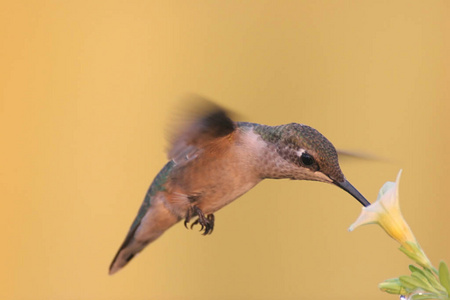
column 346, row 186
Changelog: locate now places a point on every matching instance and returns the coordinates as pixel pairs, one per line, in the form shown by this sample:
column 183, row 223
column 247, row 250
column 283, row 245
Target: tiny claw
column 193, row 224
column 211, row 218
column 187, row 218
column 206, row 222
column 208, row 230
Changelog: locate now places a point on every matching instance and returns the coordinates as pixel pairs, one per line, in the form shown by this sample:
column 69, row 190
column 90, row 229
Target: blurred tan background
column 88, row 88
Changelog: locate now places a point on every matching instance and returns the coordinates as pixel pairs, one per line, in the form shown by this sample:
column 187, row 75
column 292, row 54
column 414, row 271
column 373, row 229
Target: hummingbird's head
column 314, row 157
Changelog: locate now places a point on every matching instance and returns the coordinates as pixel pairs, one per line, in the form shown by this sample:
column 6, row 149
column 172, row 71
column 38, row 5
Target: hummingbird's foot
column 207, row 222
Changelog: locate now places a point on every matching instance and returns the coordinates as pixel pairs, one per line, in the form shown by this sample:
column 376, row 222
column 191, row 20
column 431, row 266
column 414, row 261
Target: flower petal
column 385, row 211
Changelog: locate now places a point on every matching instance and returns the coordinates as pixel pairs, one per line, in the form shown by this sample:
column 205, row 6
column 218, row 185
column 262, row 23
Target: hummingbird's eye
column 307, row 159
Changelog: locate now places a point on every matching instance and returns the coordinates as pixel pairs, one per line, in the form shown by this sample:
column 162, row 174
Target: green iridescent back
column 156, row 186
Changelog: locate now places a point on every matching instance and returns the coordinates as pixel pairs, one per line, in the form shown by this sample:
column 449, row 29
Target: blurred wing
column 208, row 123
column 345, row 154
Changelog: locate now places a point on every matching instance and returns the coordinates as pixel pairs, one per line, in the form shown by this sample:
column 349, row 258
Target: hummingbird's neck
column 269, row 162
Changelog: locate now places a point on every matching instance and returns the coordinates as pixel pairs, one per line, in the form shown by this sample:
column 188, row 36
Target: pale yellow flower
column 385, row 211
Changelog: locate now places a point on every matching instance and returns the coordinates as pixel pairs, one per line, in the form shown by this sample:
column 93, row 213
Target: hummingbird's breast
column 217, row 175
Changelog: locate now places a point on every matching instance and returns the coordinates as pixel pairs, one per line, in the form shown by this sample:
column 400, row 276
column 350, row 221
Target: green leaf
column 434, row 282
column 413, row 269
column 444, row 276
column 425, row 283
column 412, row 283
column 392, row 286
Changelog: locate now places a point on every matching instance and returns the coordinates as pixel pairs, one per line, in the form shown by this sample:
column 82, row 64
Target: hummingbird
column 215, row 160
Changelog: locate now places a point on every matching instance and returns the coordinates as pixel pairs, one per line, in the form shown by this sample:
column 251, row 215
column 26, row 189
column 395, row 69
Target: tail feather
column 157, row 220
column 124, row 255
